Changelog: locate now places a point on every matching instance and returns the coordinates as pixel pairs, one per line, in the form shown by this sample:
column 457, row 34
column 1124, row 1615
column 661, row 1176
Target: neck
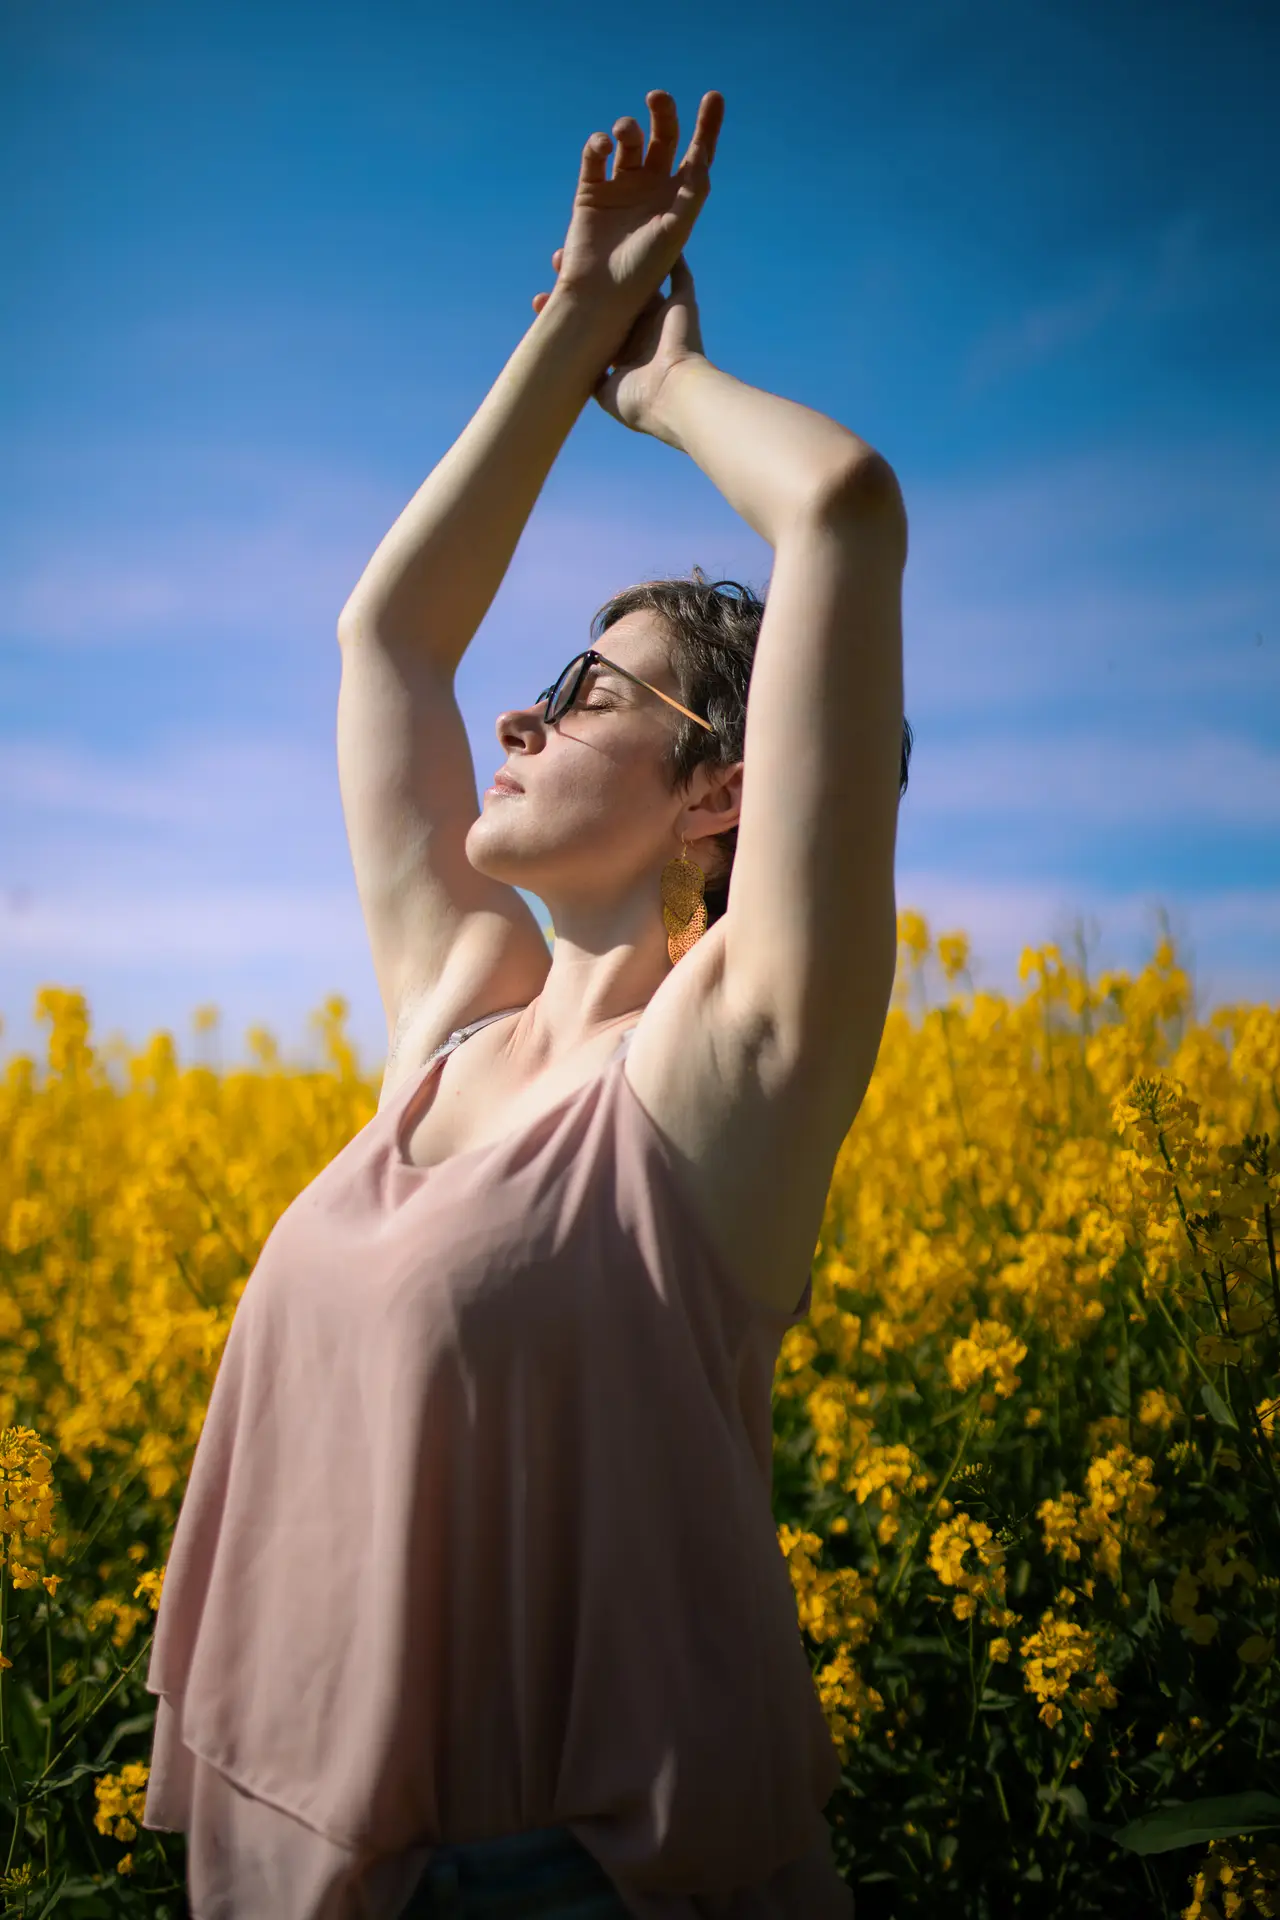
column 595, row 985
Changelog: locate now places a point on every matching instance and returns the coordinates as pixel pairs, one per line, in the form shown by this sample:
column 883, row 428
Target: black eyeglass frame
column 588, row 660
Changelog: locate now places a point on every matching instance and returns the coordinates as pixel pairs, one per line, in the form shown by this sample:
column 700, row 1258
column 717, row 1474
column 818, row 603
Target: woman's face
column 595, row 820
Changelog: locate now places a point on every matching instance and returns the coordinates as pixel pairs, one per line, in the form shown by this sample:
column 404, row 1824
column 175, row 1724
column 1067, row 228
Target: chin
column 485, row 850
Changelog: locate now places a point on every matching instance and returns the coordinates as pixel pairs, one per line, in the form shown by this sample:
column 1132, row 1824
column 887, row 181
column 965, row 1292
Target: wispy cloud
column 210, row 574
column 1110, row 576
column 1097, row 782
column 188, row 785
column 1114, row 578
column 1174, row 266
column 275, row 546
column 149, row 926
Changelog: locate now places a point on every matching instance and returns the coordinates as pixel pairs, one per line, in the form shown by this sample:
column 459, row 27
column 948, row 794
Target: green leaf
column 1120, row 1652
column 1217, row 1406
column 1071, row 1798
column 1196, row 1821
column 1151, row 1618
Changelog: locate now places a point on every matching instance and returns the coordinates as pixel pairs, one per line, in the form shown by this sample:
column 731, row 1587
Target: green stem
column 119, row 1680
column 48, row 1725
column 214, row 1215
column 1004, row 1804
column 1271, row 1255
column 978, row 1686
column 1068, row 1755
column 1153, row 1293
column 909, row 1550
column 48, row 1651
column 1216, row 1735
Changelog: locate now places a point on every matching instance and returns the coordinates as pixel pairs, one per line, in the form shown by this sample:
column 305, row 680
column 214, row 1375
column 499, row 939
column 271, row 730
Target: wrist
column 585, row 322
column 664, row 415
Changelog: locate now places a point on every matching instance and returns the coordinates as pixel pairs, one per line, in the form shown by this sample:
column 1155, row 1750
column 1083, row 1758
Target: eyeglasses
column 562, row 693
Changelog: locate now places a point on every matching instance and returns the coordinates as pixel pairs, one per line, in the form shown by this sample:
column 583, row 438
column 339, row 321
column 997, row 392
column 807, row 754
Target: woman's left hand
column 666, row 331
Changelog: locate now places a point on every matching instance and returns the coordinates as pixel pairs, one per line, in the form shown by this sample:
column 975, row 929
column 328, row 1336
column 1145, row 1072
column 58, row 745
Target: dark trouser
column 547, row 1875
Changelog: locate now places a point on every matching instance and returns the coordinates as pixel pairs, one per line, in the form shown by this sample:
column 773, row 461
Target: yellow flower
column 1157, row 1409
column 1058, row 1652
column 121, row 1800
column 991, row 1350
column 1186, row 1592
column 981, row 1584
column 1248, row 1874
column 1256, row 1651
column 884, row 1472
column 1212, row 1347
column 1107, row 1431
column 1060, row 1521
column 913, row 934
column 953, row 953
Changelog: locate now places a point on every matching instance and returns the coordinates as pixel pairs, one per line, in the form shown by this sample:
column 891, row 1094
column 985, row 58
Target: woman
column 475, row 1605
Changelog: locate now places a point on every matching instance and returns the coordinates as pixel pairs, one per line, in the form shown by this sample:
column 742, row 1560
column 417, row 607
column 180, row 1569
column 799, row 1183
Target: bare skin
column 752, row 1054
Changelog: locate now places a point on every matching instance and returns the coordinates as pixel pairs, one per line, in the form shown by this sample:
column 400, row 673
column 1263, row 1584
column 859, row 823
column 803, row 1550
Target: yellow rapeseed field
column 1027, row 1444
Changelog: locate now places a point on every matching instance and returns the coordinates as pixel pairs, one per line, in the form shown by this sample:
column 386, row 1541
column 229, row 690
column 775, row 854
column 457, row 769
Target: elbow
column 864, row 489
column 356, row 620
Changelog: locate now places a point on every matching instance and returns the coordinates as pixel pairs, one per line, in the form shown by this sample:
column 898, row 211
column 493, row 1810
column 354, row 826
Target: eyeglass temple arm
column 661, row 695
column 642, row 683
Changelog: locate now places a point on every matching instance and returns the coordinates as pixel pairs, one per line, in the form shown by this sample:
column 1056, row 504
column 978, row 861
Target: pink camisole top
column 478, row 1539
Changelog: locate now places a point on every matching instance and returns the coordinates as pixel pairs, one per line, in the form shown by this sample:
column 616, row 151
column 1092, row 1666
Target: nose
column 521, row 728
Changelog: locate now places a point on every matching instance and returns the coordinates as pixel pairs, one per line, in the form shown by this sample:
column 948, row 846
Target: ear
column 719, row 803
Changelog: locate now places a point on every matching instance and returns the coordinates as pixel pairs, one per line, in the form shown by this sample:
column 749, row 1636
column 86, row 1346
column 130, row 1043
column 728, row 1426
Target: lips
column 506, row 783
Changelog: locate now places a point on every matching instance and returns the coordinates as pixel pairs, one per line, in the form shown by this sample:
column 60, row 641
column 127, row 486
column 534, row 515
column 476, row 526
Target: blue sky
column 265, row 261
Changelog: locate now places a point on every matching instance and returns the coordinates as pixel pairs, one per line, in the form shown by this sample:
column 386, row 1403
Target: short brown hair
column 714, row 626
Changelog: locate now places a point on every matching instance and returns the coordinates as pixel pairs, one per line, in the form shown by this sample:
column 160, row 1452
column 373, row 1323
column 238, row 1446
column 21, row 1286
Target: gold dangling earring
column 684, row 910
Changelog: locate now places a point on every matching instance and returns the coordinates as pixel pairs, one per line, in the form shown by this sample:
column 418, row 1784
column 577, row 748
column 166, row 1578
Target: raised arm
column 810, row 940
column 434, row 575
column 447, row 942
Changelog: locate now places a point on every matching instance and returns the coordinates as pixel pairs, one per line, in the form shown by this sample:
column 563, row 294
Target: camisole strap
column 460, row 1034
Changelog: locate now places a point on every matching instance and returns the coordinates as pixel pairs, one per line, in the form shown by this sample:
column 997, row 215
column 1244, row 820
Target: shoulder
column 749, row 1130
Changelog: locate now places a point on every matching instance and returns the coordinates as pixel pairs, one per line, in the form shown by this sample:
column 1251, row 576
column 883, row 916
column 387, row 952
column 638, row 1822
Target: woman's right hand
column 626, row 234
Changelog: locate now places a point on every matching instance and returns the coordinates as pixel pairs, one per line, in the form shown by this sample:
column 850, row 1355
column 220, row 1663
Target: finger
column 664, row 131
column 556, row 258
column 630, row 150
column 702, row 147
column 539, row 301
column 681, row 276
column 595, row 157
